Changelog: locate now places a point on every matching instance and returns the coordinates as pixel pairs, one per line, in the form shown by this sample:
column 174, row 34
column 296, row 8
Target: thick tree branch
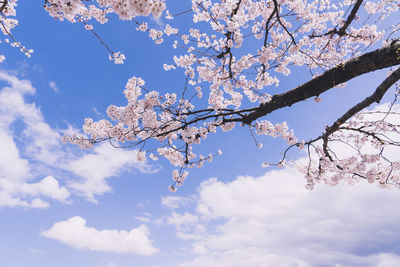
column 375, row 97
column 381, row 58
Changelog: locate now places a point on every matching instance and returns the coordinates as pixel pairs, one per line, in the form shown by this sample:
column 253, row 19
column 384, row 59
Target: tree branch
column 342, row 30
column 375, row 97
column 381, row 58
column 351, row 17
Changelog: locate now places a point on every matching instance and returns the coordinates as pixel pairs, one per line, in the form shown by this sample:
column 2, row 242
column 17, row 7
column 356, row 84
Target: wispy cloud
column 175, row 202
column 145, row 218
column 36, row 251
column 19, row 183
column 95, row 167
column 54, row 86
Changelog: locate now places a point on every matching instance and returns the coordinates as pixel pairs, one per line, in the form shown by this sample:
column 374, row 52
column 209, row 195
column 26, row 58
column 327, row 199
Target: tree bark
column 378, row 59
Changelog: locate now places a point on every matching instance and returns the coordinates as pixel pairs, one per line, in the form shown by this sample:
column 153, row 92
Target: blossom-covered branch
column 368, row 138
column 292, row 33
column 381, row 58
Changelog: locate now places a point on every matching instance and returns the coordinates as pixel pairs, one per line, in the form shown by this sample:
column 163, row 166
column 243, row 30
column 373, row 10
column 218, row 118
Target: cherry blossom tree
column 232, row 55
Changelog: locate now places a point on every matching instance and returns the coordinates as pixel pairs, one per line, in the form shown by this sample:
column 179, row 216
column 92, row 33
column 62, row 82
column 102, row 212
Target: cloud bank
column 273, row 220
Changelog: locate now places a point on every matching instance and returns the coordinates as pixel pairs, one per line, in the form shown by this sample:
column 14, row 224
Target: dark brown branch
column 23, row 49
column 378, row 59
column 267, row 26
column 276, row 6
column 3, row 6
column 181, row 13
column 342, row 30
column 375, row 97
column 228, row 37
column 351, row 17
column 100, row 40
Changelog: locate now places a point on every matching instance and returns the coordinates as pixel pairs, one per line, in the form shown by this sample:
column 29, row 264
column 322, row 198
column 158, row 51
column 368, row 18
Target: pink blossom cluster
column 280, row 129
column 7, row 23
column 100, row 10
column 162, row 118
column 362, row 149
column 76, row 10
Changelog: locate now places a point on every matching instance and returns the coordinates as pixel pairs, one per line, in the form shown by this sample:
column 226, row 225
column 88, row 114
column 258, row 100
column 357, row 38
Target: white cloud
column 36, row 251
column 48, row 187
column 75, row 233
column 145, row 218
column 16, row 171
column 41, row 141
column 105, row 162
column 174, row 202
column 54, row 86
column 180, row 219
column 385, row 260
column 98, row 113
column 11, row 163
column 273, row 220
column 109, row 264
column 9, row 200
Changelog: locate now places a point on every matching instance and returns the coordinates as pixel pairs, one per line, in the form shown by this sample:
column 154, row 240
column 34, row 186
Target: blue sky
column 63, row 206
